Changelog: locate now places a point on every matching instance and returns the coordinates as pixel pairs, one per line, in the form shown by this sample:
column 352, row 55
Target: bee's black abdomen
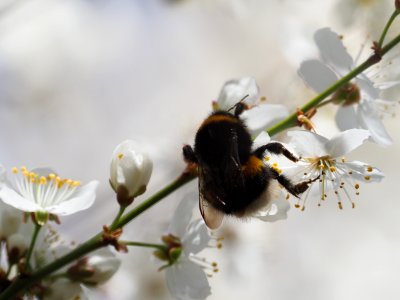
column 238, row 200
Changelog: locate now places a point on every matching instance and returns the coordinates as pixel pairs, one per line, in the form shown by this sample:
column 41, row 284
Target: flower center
column 44, row 190
column 332, row 174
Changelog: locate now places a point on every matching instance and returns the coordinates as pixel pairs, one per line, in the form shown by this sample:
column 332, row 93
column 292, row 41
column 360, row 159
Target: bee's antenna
column 240, row 101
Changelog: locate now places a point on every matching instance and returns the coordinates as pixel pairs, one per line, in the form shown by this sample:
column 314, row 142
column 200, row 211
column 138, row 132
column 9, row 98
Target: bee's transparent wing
column 211, row 216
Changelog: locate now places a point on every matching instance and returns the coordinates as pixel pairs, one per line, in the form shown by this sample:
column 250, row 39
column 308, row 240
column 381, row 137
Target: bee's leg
column 294, row 189
column 188, row 154
column 276, row 148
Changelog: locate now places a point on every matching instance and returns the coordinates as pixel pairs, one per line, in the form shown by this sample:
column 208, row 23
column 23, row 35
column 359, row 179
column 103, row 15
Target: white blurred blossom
column 367, row 14
column 260, row 115
column 187, row 276
column 365, row 108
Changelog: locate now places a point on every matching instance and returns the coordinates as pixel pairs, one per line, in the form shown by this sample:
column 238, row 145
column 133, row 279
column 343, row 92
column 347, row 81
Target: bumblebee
column 233, row 178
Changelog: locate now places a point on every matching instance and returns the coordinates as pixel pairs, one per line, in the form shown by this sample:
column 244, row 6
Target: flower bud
column 96, row 268
column 130, row 171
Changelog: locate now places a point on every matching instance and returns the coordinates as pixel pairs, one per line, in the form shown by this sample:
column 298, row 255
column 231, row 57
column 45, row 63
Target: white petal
column 369, row 119
column 367, row 86
column 183, row 214
column 307, row 144
column 2, row 175
column 332, row 50
column 346, row 142
column 317, row 75
column 263, row 116
column 261, row 139
column 364, row 172
column 11, row 197
column 277, row 211
column 64, row 289
column 387, row 85
column 235, row 90
column 83, row 199
column 346, row 118
column 187, row 281
column 196, row 238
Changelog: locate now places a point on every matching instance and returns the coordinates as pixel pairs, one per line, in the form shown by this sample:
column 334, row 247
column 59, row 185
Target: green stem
column 32, row 245
column 97, row 242
column 120, row 213
column 386, row 29
column 291, row 121
column 182, row 180
column 146, row 245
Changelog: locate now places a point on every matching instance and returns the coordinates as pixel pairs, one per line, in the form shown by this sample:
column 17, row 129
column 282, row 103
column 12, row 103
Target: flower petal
column 83, row 199
column 261, row 139
column 187, row 281
column 369, row 119
column 307, row 144
column 263, row 116
column 196, row 238
column 346, row 142
column 387, row 85
column 365, row 172
column 332, row 50
column 235, row 90
column 276, row 211
column 183, row 215
column 11, row 197
column 367, row 86
column 346, row 118
column 317, row 75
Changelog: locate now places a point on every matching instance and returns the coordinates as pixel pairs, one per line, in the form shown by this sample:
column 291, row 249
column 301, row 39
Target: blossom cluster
column 313, row 167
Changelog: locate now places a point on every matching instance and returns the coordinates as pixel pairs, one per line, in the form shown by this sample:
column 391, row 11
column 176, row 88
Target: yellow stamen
column 14, row 170
column 367, row 177
column 43, row 180
column 120, row 156
column 332, row 168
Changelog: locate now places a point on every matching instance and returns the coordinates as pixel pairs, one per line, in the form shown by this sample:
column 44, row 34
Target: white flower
column 187, row 276
column 130, row 170
column 365, row 111
column 367, row 14
column 42, row 191
column 323, row 161
column 93, row 269
column 259, row 116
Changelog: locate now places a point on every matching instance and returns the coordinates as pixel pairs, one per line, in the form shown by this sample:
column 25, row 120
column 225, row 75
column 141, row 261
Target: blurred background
column 77, row 77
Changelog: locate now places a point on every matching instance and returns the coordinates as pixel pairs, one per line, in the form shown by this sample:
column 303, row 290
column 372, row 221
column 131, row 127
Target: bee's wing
column 211, row 216
column 232, row 168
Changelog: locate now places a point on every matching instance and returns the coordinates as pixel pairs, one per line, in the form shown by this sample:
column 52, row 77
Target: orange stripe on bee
column 219, row 118
column 253, row 166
